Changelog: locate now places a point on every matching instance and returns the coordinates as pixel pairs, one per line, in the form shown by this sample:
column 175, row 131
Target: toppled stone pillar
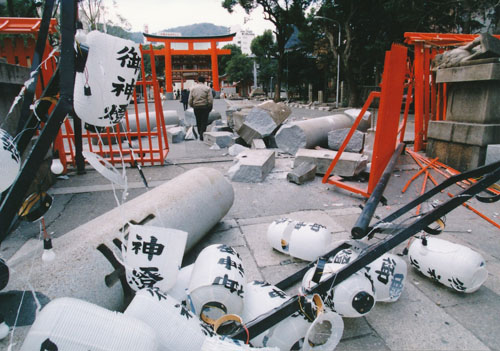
column 310, row 133
column 349, row 164
column 336, row 139
column 258, row 144
column 170, row 117
column 202, row 194
column 252, row 166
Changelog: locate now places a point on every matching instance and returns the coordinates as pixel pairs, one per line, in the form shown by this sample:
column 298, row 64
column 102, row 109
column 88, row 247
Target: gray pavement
column 428, row 316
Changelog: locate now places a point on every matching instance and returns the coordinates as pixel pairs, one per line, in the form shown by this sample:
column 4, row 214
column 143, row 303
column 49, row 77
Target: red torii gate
column 190, row 50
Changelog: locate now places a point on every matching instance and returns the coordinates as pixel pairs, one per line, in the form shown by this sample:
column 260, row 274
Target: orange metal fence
column 146, row 146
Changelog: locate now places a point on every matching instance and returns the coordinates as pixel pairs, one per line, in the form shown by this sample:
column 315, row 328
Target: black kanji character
column 230, row 263
column 131, row 58
column 432, row 274
column 299, row 225
column 230, row 284
column 152, row 248
column 343, row 257
column 146, row 277
column 387, row 270
column 184, row 311
column 457, row 284
column 277, row 293
column 316, row 227
column 396, row 285
column 156, row 292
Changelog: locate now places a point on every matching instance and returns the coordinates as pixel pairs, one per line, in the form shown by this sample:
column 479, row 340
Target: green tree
column 223, row 60
column 282, row 14
column 265, row 50
column 19, row 8
column 369, row 27
column 240, row 70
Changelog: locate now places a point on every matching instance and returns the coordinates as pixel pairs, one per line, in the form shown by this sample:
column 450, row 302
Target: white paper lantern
column 179, row 290
column 71, row 324
column 9, row 159
column 154, row 256
column 388, row 274
column 217, row 283
column 453, row 265
column 176, row 327
column 306, row 241
column 105, row 88
column 354, row 297
column 294, row 331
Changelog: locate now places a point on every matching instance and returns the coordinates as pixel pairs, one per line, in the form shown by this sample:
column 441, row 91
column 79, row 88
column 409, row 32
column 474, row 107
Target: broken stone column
column 252, row 166
column 263, row 120
column 193, row 202
column 310, row 133
column 336, row 139
column 349, row 164
column 170, row 117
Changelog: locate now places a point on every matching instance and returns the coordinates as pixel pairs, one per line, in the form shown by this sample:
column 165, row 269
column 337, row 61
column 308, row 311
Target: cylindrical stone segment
column 310, row 133
column 193, row 202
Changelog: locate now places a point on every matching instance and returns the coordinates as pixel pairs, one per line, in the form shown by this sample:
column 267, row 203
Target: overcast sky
column 163, row 14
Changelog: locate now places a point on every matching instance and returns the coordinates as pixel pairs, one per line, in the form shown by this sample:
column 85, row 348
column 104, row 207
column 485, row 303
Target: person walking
column 201, row 100
column 185, row 98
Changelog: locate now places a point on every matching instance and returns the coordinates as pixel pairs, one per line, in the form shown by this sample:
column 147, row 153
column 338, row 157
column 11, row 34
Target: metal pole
column 360, row 228
column 338, row 71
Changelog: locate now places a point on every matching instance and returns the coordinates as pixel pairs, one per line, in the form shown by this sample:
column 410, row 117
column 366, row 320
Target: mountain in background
column 200, row 30
column 192, row 30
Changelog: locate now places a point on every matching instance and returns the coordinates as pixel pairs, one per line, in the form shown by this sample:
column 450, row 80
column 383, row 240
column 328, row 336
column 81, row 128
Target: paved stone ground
column 428, row 316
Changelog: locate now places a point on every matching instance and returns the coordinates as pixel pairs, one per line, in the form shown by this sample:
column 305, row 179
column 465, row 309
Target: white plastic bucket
column 153, row 256
column 306, row 241
column 453, row 265
column 179, row 290
column 71, row 324
column 111, row 72
column 175, row 326
column 326, row 329
column 388, row 274
column 9, row 159
column 354, row 297
column 217, row 283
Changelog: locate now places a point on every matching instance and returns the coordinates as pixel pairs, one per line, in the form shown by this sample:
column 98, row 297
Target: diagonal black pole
column 17, row 191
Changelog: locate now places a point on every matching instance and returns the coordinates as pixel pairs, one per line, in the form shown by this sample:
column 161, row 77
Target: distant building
column 243, row 38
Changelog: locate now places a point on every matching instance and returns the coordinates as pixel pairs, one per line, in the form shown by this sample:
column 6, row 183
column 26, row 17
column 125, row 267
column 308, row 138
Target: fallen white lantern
column 217, row 283
column 388, row 274
column 354, row 297
column 179, row 290
column 453, row 265
column 296, row 331
column 306, row 241
column 9, row 159
column 105, row 87
column 153, row 256
column 71, row 324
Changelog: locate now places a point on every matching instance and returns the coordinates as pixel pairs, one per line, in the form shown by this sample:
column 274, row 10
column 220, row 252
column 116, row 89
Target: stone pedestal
column 472, row 116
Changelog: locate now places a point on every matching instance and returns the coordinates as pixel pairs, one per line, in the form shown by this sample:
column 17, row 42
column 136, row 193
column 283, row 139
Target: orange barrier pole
column 489, row 220
column 417, row 174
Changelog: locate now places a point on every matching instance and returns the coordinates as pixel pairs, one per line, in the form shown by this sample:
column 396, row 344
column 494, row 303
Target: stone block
column 252, row 166
column 304, row 172
column 176, row 134
column 336, row 139
column 465, row 133
column 472, row 73
column 238, row 118
column 171, row 117
column 462, row 157
column 221, row 139
column 279, row 112
column 492, row 153
column 349, row 164
column 258, row 144
column 236, row 149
